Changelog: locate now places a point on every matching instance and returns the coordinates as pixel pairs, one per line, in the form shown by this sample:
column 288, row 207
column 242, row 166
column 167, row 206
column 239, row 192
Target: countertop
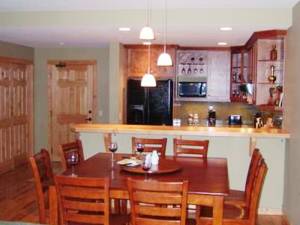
column 182, row 130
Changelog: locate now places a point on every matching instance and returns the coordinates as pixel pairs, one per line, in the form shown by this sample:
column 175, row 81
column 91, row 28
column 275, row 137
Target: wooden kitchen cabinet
column 218, row 82
column 138, row 61
column 241, row 79
column 252, row 66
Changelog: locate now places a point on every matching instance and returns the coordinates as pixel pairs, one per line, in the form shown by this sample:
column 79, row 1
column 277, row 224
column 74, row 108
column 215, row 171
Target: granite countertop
column 182, row 130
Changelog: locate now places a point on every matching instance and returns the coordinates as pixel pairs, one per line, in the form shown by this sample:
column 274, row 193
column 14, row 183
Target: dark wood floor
column 18, row 200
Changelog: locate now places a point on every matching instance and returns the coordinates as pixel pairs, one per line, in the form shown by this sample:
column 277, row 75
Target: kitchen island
column 233, row 143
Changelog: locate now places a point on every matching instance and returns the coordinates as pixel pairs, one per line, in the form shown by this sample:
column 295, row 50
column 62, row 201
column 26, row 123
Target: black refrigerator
column 150, row 105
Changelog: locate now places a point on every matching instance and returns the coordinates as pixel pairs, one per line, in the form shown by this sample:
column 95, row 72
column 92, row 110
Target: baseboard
column 270, row 211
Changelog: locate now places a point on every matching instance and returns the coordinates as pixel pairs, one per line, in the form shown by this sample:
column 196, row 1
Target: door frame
column 50, row 96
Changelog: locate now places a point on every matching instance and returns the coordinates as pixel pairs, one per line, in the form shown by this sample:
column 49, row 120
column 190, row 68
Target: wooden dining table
column 208, row 178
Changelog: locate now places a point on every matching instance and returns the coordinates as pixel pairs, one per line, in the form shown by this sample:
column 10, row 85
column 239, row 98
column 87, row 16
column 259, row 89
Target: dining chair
column 68, row 148
column 152, row 202
column 239, row 198
column 190, row 147
column 85, row 200
column 150, row 144
column 43, row 178
column 231, row 213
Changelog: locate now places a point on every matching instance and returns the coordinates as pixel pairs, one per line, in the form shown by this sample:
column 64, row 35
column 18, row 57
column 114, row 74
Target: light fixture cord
column 165, row 27
column 148, row 12
column 149, row 59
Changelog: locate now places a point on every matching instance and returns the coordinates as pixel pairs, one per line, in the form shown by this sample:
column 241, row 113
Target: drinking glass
column 113, row 147
column 73, row 159
column 140, row 148
column 146, row 166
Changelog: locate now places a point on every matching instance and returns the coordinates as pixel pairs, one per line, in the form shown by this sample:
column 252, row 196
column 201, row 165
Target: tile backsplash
column 223, row 110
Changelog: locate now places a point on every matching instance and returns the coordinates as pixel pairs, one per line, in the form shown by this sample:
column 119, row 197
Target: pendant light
column 164, row 58
column 148, row 79
column 147, row 32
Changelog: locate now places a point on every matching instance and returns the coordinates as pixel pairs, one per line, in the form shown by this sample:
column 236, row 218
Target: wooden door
column 16, row 114
column 72, row 99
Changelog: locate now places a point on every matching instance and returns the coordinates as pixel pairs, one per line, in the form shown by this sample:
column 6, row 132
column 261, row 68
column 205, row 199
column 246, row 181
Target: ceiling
column 95, row 23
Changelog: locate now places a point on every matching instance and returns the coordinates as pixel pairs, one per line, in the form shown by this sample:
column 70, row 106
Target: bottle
column 154, row 158
column 273, row 53
column 211, row 116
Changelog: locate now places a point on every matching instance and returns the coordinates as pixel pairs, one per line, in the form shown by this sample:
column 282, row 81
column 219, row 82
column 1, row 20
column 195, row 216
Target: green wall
column 292, row 120
column 16, row 51
column 41, row 56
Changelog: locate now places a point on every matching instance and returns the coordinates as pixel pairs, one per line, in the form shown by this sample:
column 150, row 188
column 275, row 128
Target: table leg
column 218, row 210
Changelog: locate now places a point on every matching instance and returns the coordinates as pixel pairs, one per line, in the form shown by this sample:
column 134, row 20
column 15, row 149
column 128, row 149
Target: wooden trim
column 267, row 34
column 204, row 48
column 140, row 46
column 15, row 60
column 73, row 62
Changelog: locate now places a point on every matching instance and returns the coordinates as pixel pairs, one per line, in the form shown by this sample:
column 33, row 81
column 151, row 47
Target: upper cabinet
column 269, row 71
column 218, row 83
column 138, row 61
column 203, row 75
column 257, row 70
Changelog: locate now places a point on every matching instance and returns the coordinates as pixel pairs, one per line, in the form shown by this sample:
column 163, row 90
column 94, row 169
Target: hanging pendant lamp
column 164, row 58
column 147, row 32
column 148, row 79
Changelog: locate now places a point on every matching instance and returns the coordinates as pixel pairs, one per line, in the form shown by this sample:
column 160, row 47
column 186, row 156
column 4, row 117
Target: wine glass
column 73, row 159
column 146, row 166
column 113, row 147
column 140, row 148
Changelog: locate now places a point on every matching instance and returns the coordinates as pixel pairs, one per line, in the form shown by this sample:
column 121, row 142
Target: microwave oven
column 192, row 89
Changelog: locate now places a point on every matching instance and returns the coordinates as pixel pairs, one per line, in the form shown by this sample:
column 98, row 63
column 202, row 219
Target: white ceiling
column 94, row 23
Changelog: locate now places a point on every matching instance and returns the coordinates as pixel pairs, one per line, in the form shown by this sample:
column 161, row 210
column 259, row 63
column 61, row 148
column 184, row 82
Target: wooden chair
column 84, row 200
column 241, row 199
column 66, row 149
column 150, row 145
column 43, row 179
column 232, row 214
column 151, row 200
column 190, row 147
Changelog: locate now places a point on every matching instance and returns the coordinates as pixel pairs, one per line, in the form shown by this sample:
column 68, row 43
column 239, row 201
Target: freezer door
column 160, row 103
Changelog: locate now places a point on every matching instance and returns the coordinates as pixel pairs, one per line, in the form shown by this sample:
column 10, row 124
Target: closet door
column 16, row 114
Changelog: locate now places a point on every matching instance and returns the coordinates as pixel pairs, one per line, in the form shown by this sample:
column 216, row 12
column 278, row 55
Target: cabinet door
column 138, row 62
column 218, row 83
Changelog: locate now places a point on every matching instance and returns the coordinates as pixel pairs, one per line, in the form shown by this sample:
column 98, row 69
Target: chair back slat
column 141, row 221
column 43, row 178
column 150, row 145
column 152, row 202
column 154, row 211
column 150, row 197
column 83, row 200
column 67, row 149
column 190, row 147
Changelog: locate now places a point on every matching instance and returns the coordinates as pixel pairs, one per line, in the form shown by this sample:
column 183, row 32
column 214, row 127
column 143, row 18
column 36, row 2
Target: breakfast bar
column 233, row 143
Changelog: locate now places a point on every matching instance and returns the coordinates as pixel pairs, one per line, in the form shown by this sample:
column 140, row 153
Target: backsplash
column 223, row 110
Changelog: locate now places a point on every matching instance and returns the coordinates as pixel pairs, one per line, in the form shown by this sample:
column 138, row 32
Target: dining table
column 207, row 177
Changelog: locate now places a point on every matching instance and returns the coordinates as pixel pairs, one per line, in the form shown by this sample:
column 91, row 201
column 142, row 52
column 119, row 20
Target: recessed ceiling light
column 124, row 28
column 222, row 43
column 226, row 28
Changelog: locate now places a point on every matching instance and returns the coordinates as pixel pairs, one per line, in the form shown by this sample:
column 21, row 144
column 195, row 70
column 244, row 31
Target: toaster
column 235, row 120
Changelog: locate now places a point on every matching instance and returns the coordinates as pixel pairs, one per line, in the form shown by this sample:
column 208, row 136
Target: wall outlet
column 100, row 113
